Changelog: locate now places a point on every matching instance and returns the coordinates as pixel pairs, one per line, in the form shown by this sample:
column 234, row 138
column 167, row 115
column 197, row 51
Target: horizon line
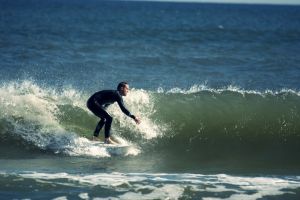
column 219, row 2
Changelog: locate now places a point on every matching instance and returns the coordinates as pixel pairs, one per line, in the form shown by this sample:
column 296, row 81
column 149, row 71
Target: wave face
column 231, row 123
column 196, row 124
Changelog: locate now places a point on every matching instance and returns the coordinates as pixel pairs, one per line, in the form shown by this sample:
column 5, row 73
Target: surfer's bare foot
column 109, row 141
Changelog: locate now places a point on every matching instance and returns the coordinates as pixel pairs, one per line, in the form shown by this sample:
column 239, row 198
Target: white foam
column 30, row 99
column 230, row 88
column 84, row 196
column 172, row 186
column 61, row 198
column 168, row 191
column 80, row 146
column 141, row 104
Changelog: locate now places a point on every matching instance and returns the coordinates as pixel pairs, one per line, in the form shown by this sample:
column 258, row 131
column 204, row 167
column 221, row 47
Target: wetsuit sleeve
column 124, row 109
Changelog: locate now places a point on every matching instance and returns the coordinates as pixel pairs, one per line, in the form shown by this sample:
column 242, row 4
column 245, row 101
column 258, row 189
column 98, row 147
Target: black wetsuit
column 98, row 103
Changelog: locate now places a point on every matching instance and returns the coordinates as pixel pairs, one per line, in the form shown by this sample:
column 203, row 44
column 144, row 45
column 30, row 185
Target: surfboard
column 101, row 143
column 113, row 149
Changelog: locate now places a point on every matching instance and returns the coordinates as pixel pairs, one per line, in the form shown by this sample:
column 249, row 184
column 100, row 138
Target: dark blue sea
column 217, row 87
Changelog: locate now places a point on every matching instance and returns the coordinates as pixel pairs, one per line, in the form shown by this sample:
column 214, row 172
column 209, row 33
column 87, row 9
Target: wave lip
column 231, row 88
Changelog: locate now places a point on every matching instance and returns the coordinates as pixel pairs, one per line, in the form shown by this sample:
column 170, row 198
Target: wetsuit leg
column 108, row 122
column 105, row 119
column 99, row 127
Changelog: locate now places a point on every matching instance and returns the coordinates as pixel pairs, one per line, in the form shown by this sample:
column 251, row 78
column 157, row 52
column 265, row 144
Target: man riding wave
column 98, row 104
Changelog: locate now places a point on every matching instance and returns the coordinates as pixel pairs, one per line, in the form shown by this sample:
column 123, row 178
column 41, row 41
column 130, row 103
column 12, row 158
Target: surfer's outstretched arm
column 126, row 111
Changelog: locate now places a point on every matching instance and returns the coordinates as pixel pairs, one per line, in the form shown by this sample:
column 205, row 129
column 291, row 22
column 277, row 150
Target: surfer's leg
column 99, row 127
column 108, row 122
column 105, row 119
column 100, row 112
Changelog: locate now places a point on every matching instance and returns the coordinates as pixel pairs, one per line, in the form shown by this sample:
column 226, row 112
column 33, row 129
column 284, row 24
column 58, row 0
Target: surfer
column 98, row 103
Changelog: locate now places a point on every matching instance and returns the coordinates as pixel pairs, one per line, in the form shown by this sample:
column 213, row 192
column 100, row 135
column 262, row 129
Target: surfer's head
column 123, row 88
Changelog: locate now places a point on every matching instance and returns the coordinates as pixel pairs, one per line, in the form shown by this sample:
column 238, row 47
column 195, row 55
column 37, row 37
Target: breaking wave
column 199, row 121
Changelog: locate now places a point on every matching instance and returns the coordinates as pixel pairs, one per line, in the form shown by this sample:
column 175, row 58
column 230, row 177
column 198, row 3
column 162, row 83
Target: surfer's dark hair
column 122, row 84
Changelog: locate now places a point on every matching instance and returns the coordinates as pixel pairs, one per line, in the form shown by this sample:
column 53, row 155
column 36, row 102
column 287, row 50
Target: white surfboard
column 100, row 143
column 113, row 149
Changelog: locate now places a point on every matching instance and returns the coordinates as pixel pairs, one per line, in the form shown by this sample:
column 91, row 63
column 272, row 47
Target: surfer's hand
column 137, row 120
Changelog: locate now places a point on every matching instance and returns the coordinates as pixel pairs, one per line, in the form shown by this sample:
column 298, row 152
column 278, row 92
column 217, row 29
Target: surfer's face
column 124, row 90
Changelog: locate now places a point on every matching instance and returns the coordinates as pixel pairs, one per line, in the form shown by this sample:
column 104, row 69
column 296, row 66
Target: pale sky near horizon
column 293, row 2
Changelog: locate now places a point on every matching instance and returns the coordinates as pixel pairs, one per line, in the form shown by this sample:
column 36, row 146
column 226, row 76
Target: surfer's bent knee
column 109, row 119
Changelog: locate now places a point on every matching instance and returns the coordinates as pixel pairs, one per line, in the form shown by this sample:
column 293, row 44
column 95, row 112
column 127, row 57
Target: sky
column 293, row 2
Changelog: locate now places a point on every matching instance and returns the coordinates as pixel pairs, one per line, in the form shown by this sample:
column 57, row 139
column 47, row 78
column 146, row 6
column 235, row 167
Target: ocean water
column 217, row 87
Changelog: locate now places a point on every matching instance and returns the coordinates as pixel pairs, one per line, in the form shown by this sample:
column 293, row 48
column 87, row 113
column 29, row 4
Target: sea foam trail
column 167, row 186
